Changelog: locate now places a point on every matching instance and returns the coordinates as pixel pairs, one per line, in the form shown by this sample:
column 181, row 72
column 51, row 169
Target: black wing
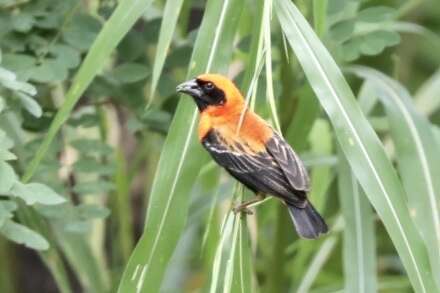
column 289, row 162
column 261, row 172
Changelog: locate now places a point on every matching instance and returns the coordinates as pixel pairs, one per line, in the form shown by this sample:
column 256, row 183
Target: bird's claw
column 242, row 209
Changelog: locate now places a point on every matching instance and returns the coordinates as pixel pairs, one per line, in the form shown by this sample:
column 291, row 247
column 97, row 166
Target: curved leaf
column 360, row 144
column 359, row 241
column 417, row 157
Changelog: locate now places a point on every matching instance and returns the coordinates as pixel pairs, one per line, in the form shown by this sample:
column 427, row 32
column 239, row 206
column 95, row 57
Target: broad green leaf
column 22, row 22
column 82, row 31
column 30, row 105
column 23, row 235
column 360, row 144
column 9, row 80
column 181, row 157
column 6, row 75
column 33, row 193
column 67, row 55
column 167, row 28
column 417, row 158
column 343, row 30
column 376, row 14
column 7, row 177
column 6, row 209
column 129, row 72
column 358, row 239
column 122, row 19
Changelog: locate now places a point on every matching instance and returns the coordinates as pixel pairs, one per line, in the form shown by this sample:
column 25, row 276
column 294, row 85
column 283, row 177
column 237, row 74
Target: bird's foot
column 242, row 209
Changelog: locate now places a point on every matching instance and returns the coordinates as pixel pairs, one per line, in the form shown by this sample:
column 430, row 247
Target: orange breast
column 254, row 131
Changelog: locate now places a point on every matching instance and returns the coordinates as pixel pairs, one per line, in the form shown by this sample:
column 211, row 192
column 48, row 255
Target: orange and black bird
column 251, row 151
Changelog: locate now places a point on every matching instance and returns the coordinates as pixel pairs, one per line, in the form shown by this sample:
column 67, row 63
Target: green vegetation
column 105, row 188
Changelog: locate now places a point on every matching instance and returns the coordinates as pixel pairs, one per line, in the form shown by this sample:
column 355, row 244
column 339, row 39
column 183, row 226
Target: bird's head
column 212, row 90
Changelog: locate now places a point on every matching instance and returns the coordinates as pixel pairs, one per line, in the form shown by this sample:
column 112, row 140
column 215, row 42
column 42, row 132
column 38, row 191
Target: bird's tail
column 308, row 222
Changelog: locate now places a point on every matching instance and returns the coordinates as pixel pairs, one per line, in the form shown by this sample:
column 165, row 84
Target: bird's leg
column 243, row 206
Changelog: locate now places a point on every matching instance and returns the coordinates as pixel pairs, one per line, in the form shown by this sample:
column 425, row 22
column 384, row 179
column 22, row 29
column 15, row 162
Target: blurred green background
column 98, row 154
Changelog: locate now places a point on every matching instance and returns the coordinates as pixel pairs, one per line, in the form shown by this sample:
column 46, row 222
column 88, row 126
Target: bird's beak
column 191, row 88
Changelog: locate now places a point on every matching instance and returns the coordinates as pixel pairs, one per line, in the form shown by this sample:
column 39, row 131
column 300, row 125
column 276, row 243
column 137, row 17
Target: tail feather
column 308, row 223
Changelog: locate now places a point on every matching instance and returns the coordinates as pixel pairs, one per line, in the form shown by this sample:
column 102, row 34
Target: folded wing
column 275, row 171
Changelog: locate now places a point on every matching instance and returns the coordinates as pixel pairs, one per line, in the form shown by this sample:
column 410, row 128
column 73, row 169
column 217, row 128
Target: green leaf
column 6, row 209
column 18, row 62
column 33, row 193
column 9, row 80
column 343, row 30
column 181, row 157
column 376, row 14
column 82, row 31
column 417, row 157
column 30, row 105
column 22, row 22
column 129, row 72
column 360, row 144
column 23, row 235
column 66, row 55
column 50, row 70
column 7, row 178
column 5, row 142
column 359, row 241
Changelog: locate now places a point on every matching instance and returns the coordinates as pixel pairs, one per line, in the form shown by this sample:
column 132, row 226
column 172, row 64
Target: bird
column 251, row 151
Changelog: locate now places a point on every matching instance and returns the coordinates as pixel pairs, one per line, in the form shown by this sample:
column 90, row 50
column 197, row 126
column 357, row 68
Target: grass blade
column 177, row 171
column 417, row 157
column 427, row 101
column 217, row 278
column 359, row 242
column 320, row 258
column 167, row 28
column 231, row 270
column 267, row 13
column 242, row 281
column 360, row 144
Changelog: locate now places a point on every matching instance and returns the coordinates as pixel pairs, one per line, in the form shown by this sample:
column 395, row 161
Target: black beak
column 191, row 88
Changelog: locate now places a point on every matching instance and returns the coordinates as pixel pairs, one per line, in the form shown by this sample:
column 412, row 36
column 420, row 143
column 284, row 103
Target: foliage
column 93, row 139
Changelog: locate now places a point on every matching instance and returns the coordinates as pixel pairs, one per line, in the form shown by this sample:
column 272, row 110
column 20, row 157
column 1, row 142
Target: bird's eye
column 209, row 86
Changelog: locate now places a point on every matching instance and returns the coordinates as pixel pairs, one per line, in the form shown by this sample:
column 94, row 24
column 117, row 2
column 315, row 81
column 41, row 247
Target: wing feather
column 265, row 171
column 289, row 162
